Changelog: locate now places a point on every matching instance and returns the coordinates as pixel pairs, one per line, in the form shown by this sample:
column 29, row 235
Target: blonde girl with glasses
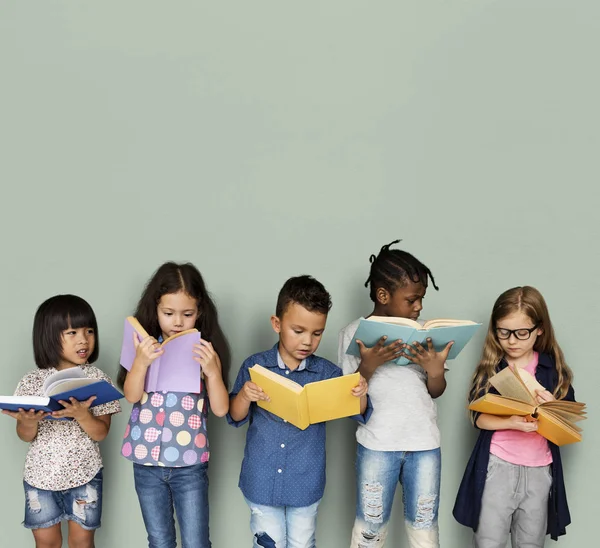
column 513, row 484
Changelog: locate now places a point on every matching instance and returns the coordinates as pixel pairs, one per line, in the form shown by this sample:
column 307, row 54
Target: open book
column 556, row 419
column 441, row 332
column 175, row 370
column 309, row 404
column 62, row 385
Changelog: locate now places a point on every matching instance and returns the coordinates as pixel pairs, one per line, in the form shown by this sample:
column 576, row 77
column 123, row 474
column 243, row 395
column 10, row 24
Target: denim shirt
column 467, row 507
column 283, row 465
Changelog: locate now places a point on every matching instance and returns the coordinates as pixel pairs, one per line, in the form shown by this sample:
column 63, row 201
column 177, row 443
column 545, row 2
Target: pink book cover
column 174, row 371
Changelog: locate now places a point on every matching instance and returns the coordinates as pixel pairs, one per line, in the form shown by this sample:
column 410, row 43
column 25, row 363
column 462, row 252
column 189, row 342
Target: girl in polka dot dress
column 166, row 437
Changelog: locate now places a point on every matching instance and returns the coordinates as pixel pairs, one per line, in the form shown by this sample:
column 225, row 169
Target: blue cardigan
column 468, row 500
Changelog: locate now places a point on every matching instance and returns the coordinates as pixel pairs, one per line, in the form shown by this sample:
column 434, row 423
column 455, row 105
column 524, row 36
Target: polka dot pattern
column 167, row 429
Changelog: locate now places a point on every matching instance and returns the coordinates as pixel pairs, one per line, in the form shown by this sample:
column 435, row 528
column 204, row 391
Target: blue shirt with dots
column 283, row 465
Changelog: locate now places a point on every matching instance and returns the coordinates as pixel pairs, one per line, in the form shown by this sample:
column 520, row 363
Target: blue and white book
column 441, row 332
column 60, row 386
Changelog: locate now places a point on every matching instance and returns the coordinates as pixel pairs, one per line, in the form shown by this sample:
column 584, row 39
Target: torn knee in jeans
column 372, row 496
column 33, row 501
column 425, row 512
column 262, row 539
column 370, row 539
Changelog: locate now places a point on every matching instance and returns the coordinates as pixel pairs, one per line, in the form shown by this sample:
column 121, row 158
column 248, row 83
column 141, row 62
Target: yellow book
column 556, row 419
column 309, row 404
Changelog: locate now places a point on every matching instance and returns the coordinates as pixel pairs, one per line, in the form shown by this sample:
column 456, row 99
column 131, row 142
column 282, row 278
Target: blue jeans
column 377, row 475
column 161, row 488
column 283, row 526
column 81, row 504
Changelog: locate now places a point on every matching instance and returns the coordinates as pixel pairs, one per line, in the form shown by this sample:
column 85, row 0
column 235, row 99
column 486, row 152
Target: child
column 283, row 472
column 401, row 442
column 166, row 438
column 63, row 467
column 514, row 480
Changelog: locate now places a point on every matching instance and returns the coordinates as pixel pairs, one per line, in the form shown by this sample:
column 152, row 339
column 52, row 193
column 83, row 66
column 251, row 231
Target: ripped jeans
column 377, row 475
column 283, row 526
column 81, row 504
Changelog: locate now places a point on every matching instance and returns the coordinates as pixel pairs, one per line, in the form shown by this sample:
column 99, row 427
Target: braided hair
column 391, row 268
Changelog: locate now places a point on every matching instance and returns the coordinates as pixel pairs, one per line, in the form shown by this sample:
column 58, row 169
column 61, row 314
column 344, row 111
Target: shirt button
column 282, row 445
column 279, row 471
column 284, row 420
column 287, row 372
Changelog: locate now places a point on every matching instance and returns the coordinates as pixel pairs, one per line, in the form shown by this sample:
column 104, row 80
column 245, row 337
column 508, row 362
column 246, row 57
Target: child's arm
column 360, row 391
column 515, row 422
column 27, row 422
column 213, row 377
column 239, row 405
column 146, row 352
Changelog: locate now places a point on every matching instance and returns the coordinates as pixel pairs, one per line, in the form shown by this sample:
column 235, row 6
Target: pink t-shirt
column 522, row 448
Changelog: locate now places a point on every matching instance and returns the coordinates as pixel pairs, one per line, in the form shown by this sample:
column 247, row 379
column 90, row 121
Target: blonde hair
column 530, row 302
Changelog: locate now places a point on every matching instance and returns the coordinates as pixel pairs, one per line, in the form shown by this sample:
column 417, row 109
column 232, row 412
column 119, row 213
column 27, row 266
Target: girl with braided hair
column 401, row 441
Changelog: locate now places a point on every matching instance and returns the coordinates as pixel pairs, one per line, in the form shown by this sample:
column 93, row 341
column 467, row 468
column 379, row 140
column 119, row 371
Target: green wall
column 262, row 140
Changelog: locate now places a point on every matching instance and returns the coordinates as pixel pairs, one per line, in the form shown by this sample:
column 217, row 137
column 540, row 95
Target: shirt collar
column 274, row 360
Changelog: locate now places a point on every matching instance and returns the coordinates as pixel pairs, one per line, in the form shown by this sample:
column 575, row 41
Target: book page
column 556, row 430
column 61, row 376
column 67, row 385
column 193, row 330
column 510, row 385
column 395, row 320
column 444, row 322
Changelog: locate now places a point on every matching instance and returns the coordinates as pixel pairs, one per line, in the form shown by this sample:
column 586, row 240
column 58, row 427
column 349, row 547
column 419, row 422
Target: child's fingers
column 430, row 345
column 447, row 349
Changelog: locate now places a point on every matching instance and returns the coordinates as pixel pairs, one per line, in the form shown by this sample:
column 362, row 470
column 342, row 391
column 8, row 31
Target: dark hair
column 392, row 267
column 172, row 278
column 305, row 291
column 55, row 315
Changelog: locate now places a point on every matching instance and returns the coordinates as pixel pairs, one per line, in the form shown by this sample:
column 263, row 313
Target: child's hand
column 543, row 395
column 207, row 358
column 430, row 360
column 361, row 388
column 78, row 410
column 379, row 354
column 252, row 392
column 28, row 417
column 524, row 424
column 146, row 350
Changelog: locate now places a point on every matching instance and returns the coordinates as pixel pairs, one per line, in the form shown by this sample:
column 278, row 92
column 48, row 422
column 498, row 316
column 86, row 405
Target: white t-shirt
column 404, row 414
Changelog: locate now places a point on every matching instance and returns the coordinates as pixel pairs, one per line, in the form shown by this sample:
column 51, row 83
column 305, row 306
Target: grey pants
column 515, row 501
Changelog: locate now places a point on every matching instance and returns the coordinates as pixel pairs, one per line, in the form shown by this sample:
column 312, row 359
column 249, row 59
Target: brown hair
column 528, row 300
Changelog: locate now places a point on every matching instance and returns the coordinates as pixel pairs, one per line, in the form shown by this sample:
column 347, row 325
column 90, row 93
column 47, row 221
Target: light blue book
column 440, row 331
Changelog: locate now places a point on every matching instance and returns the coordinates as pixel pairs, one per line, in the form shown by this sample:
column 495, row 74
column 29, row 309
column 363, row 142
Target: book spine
column 303, row 410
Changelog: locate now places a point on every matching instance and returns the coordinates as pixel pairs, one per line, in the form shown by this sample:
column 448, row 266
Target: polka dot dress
column 167, row 429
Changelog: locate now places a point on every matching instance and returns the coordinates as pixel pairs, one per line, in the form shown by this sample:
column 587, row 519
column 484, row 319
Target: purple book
column 174, row 371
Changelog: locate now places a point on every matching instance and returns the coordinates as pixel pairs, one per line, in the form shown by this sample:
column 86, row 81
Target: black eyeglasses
column 522, row 334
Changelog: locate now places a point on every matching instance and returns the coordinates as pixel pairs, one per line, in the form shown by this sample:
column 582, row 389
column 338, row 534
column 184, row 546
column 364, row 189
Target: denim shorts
column 81, row 504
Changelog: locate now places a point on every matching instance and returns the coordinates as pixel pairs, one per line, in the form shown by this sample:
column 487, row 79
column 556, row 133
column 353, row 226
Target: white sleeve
column 348, row 363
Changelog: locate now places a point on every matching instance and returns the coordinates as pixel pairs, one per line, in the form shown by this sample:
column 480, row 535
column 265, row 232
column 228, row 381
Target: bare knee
column 48, row 537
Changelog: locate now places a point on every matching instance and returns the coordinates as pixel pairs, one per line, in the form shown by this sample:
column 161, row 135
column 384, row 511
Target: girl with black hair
column 63, row 467
column 166, row 438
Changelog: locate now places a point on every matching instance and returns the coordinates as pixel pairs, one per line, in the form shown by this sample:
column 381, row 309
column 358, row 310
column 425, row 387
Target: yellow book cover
column 310, row 404
column 556, row 419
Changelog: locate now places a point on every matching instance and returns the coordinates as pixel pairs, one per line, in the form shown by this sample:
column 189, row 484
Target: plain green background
column 262, row 140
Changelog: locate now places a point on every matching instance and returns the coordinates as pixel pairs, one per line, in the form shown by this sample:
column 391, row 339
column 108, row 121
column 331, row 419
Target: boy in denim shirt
column 283, row 471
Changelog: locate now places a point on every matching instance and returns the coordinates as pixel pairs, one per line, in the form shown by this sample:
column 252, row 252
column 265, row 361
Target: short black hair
column 305, row 291
column 54, row 316
column 392, row 267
